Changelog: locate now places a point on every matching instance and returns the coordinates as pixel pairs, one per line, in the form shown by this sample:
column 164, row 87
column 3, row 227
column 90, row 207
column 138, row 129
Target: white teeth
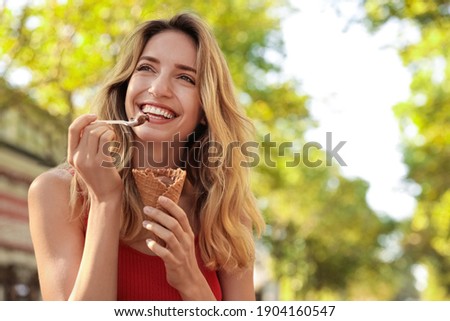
column 157, row 111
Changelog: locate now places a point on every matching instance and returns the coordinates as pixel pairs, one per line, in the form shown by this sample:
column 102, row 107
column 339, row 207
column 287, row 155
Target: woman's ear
column 203, row 118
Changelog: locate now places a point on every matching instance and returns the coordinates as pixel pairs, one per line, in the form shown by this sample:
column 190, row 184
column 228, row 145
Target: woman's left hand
column 182, row 271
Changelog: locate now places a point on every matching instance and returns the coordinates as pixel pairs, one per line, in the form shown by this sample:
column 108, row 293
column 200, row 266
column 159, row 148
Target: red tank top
column 142, row 277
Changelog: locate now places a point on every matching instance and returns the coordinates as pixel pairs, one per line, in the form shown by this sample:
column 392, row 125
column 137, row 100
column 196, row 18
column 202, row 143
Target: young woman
column 94, row 239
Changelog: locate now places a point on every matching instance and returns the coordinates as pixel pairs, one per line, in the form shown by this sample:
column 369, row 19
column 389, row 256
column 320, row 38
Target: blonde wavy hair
column 224, row 206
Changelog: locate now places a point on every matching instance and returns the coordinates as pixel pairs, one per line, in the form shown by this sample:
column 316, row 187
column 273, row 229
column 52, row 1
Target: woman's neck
column 156, row 154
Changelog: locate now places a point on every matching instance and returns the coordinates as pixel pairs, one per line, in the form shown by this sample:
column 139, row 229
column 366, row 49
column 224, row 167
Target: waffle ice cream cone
column 154, row 182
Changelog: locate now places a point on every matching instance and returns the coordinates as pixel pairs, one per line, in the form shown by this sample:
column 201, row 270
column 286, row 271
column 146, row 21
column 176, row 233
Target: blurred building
column 31, row 141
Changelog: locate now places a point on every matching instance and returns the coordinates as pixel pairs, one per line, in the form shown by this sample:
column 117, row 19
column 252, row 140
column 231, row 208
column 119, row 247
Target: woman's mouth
column 157, row 112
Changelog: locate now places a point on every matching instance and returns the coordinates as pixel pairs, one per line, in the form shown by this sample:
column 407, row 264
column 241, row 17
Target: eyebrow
column 179, row 66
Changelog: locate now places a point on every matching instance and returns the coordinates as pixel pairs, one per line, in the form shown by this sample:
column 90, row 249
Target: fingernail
column 146, row 224
column 162, row 199
column 148, row 209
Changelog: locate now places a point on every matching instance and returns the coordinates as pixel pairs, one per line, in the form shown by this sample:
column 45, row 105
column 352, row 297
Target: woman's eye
column 188, row 79
column 144, row 67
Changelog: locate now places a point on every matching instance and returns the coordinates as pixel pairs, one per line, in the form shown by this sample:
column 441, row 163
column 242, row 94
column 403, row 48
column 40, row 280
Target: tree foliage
column 68, row 47
column 325, row 242
column 427, row 116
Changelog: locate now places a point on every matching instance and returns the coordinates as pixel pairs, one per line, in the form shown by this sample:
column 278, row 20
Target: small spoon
column 133, row 122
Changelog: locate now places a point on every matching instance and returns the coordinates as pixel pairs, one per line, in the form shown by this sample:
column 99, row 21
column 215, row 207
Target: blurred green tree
column 425, row 122
column 66, row 48
column 325, row 242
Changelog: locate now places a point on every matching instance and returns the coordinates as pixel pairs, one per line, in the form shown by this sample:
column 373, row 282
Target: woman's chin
column 148, row 134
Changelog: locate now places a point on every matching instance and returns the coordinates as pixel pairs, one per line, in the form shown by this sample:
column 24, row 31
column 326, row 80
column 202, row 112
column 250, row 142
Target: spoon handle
column 118, row 122
column 142, row 118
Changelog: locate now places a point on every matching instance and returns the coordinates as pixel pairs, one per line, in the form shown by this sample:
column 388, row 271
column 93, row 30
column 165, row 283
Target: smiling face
column 163, row 86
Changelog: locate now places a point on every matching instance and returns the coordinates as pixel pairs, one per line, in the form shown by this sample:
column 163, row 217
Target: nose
column 160, row 87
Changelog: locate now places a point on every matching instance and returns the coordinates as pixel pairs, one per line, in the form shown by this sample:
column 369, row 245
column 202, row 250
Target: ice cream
column 154, row 182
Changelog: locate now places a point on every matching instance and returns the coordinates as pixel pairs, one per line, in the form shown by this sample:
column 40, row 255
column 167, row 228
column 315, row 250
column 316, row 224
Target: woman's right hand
column 88, row 154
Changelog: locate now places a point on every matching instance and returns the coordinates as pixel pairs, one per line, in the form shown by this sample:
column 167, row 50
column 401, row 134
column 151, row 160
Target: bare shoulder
column 52, row 179
column 237, row 285
column 50, row 193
